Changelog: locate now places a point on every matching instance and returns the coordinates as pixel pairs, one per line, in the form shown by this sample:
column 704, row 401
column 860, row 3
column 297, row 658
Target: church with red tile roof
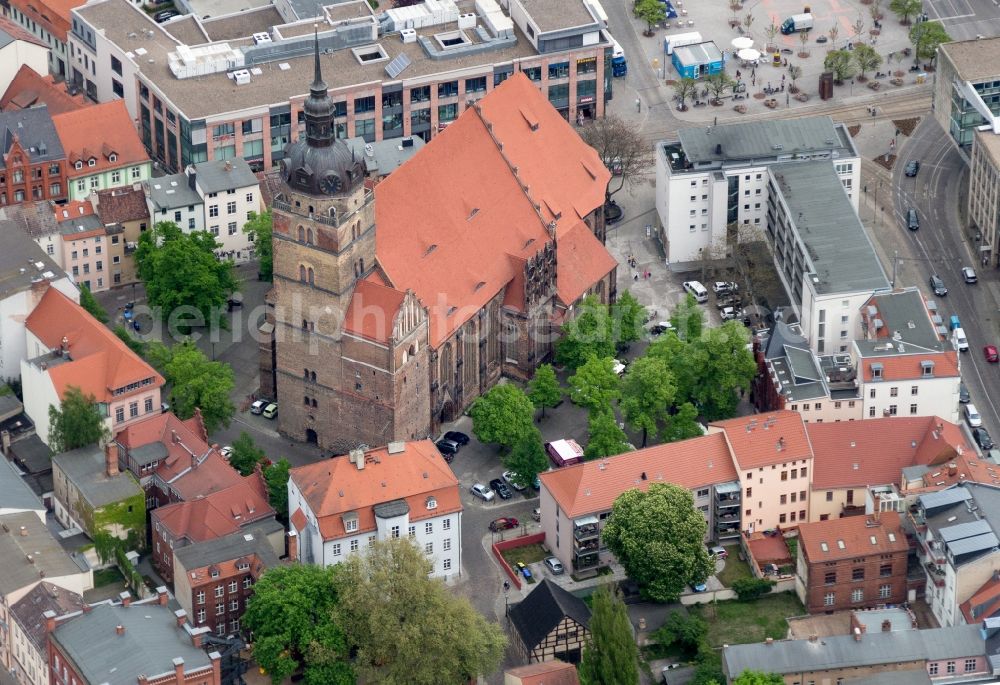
column 395, row 308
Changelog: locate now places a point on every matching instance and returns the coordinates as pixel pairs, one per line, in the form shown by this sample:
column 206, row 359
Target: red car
column 505, row 523
column 990, row 352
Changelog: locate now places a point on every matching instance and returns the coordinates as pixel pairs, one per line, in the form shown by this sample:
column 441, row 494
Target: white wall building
column 229, row 192
column 18, row 47
column 173, row 198
column 342, row 505
column 715, row 178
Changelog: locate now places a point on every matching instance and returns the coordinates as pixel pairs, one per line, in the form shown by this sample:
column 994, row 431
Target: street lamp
column 506, row 597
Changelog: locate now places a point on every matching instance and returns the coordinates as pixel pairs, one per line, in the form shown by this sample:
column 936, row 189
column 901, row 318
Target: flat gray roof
column 963, row 516
column 186, row 29
column 215, row 177
column 972, row 58
column 48, row 559
column 14, row 492
column 80, row 224
column 843, row 651
column 35, row 132
column 172, row 192
column 33, row 454
column 899, row 619
column 387, row 155
column 84, row 467
column 22, row 261
column 698, row 53
column 840, row 253
column 243, row 24
column 150, row 643
column 552, row 15
column 756, row 140
column 231, row 547
column 905, row 313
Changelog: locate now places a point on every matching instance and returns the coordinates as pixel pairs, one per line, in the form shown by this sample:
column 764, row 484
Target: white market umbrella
column 748, row 54
column 742, row 42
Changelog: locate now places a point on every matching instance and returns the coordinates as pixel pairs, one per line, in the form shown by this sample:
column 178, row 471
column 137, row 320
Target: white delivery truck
column 797, row 23
column 959, row 341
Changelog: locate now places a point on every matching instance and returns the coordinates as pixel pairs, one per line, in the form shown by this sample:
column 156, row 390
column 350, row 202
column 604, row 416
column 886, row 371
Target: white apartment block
column 230, row 193
column 341, row 506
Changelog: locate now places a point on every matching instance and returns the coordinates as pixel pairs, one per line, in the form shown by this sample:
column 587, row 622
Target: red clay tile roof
column 582, row 262
column 985, row 603
column 66, row 214
column 545, row 673
column 764, row 439
column 966, row 467
column 47, row 12
column 372, row 311
column 902, row 367
column 100, row 361
column 96, row 133
column 218, row 514
column 874, row 451
column 455, row 223
column 588, row 488
column 336, row 486
column 856, row 533
column 14, row 30
column 29, row 89
column 119, row 205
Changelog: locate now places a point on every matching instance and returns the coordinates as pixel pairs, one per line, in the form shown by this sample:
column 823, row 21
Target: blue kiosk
column 697, row 60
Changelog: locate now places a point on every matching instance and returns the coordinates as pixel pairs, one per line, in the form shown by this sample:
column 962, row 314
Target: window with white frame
column 828, row 599
column 233, row 586
column 247, row 583
column 200, row 597
column 429, row 547
column 446, row 564
column 354, row 545
column 884, row 591
column 429, row 527
column 446, row 545
column 446, row 524
column 857, row 595
column 412, row 532
column 219, row 591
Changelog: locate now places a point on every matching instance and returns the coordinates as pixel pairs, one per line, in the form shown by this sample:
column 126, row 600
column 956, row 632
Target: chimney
column 814, row 638
column 857, row 634
column 198, row 636
column 126, row 598
column 952, row 469
column 293, row 545
column 23, row 532
column 229, row 165
column 358, row 457
column 87, row 608
column 111, row 459
column 64, row 346
column 769, row 641
column 179, row 669
column 886, row 626
column 181, row 617
column 119, row 629
column 161, row 596
column 202, row 433
column 50, row 621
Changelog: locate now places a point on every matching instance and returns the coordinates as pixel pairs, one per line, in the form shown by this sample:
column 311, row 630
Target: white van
column 958, row 340
column 698, row 290
column 972, row 416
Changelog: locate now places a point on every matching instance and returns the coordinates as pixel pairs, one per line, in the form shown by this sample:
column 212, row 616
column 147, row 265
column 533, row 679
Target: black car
column 447, row 448
column 912, row 219
column 963, row 393
column 499, row 487
column 163, row 16
column 460, row 439
column 912, row 168
column 982, row 438
column 937, row 285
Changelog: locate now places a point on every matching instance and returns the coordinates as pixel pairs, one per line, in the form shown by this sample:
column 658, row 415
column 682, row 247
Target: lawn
column 734, row 569
column 734, row 622
column 529, row 554
column 107, row 576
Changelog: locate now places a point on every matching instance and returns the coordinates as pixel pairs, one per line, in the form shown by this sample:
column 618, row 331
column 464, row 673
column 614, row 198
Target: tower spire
column 318, row 107
column 317, row 84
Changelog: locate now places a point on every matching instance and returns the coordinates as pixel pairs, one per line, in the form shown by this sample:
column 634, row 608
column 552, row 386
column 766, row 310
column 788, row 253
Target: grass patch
column 734, row 569
column 108, row 576
column 529, row 554
column 735, row 623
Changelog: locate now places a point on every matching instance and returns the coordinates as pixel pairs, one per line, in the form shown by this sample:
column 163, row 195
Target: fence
column 504, row 545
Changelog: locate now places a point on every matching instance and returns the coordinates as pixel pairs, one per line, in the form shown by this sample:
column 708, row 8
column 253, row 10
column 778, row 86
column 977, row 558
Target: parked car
column 912, row 168
column 972, row 416
column 982, row 438
column 969, row 274
column 661, row 327
column 447, row 449
column 699, row 587
column 523, row 569
column 963, row 394
column 718, row 551
column 165, row 15
column 226, row 451
column 990, row 352
column 270, row 411
column 508, row 477
column 482, row 492
column 259, row 406
column 720, row 287
column 937, row 285
column 554, row 565
column 504, row 523
column 460, row 439
column 501, row 489
column 731, row 313
column 619, row 367
column 536, row 514
column 912, row 219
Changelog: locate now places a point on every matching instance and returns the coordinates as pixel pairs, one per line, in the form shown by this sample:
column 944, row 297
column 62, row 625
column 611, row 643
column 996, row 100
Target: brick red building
column 32, row 160
column 852, row 562
column 214, row 579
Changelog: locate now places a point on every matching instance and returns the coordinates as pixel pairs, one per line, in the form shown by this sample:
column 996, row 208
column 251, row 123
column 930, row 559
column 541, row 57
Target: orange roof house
column 30, row 89
column 403, row 488
column 51, row 15
column 98, row 139
column 766, row 439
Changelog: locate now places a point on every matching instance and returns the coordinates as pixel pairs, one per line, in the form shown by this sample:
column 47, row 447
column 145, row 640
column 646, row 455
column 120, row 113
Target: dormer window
column 927, row 368
column 113, row 157
column 350, row 522
column 78, row 165
column 432, row 503
column 91, row 162
column 877, row 372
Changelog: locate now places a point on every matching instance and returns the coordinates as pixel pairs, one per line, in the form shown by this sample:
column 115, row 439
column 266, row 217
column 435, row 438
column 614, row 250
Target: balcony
column 586, row 561
column 935, row 573
column 587, row 532
column 727, row 501
column 586, row 547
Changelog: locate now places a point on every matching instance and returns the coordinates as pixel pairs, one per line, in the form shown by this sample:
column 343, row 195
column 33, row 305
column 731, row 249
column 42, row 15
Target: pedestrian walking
column 638, row 105
column 635, row 276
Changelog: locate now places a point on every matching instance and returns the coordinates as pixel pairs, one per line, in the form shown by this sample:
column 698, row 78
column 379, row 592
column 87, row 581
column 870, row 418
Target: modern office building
column 984, row 193
column 967, row 89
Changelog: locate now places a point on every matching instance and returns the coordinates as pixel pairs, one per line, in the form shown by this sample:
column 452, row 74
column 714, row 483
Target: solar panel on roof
column 398, row 64
column 978, row 543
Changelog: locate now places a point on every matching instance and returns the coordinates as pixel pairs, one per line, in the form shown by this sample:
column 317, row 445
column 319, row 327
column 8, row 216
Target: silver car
column 482, row 492
column 554, row 565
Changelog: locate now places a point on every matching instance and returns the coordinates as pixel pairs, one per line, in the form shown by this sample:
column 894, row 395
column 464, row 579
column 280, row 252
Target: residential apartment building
column 103, row 149
column 138, row 642
column 32, row 162
column 209, row 517
column 29, row 555
column 712, row 185
column 937, row 655
column 967, row 89
column 125, row 215
column 173, row 198
column 215, row 579
column 31, row 88
column 28, row 640
column 403, row 72
column 851, row 563
column 85, row 245
column 984, row 192
column 957, row 544
column 230, row 193
column 343, row 505
column 67, row 347
column 575, row 501
column 19, row 49
column 49, row 22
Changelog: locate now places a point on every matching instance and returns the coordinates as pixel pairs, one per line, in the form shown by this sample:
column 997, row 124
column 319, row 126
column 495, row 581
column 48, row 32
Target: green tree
column 926, row 37
column 720, row 366
column 544, row 389
column 259, row 227
column 246, row 455
column 648, row 391
column 709, row 668
column 606, row 438
column 408, row 628
column 682, row 424
column 684, row 630
column 684, row 88
column 840, row 63
column 758, row 678
column 276, row 477
column 503, row 415
column 748, row 589
column 290, row 616
column 866, row 58
column 658, row 537
column 137, row 346
column 90, row 303
column 197, row 383
column 526, row 460
column 688, row 318
column 595, row 385
column 76, row 422
column 650, row 11
column 906, row 8
column 180, row 269
column 587, row 334
column 628, row 317
column 610, row 656
column 717, row 83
